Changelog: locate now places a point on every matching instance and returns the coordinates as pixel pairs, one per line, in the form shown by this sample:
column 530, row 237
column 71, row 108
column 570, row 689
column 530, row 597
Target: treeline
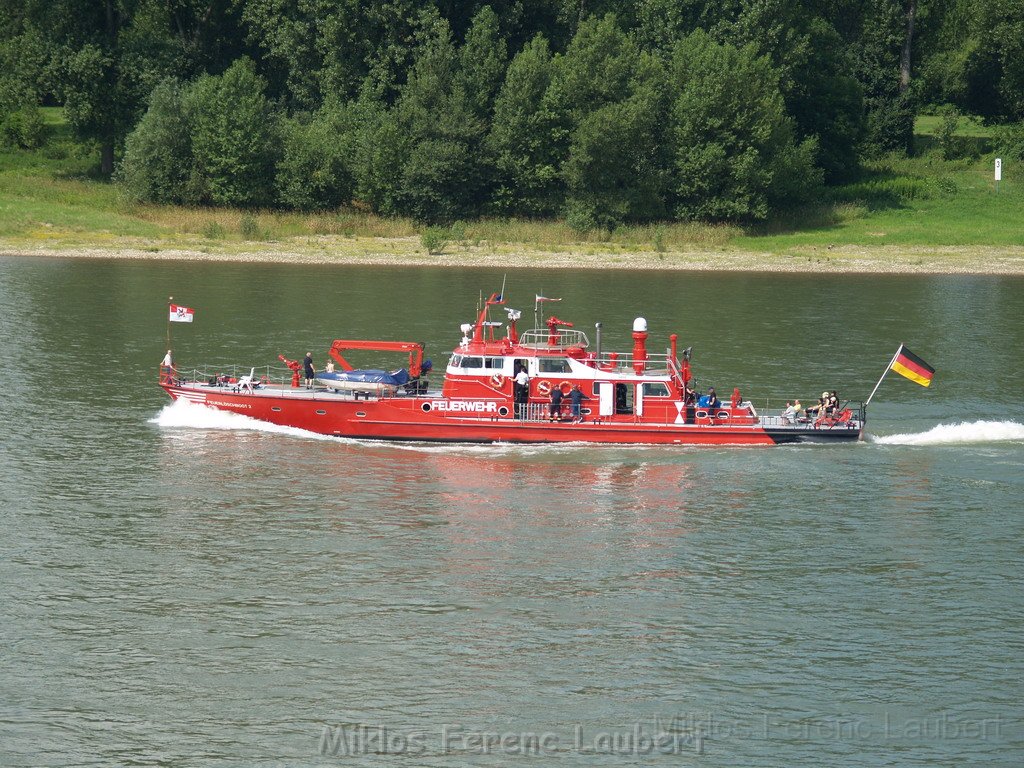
column 601, row 112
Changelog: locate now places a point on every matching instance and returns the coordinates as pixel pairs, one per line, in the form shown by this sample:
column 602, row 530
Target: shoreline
column 408, row 251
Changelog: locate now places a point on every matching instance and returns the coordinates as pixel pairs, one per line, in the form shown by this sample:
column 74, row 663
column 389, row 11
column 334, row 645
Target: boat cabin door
column 605, row 398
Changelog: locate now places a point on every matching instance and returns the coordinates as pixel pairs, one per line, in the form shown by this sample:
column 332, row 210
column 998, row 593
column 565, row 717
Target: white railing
column 653, row 363
column 538, row 338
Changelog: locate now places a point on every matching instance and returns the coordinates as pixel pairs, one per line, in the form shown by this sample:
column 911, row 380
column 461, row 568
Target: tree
column 315, row 170
column 158, row 163
column 608, row 98
column 483, row 59
column 442, row 177
column 827, row 103
column 520, row 141
column 890, row 109
column 734, row 148
column 615, row 171
column 234, row 137
column 22, row 65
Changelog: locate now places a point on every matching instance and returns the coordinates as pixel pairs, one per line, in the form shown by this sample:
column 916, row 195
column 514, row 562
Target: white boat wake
column 182, row 413
column 963, row 433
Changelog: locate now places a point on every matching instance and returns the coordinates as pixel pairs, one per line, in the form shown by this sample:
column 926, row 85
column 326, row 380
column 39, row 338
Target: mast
column 887, row 369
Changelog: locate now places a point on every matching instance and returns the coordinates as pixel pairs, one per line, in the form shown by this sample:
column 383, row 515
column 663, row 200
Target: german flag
column 906, row 363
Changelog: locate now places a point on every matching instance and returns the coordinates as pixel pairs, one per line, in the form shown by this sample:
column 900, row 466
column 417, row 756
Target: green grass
column 55, row 196
column 928, row 125
column 921, row 201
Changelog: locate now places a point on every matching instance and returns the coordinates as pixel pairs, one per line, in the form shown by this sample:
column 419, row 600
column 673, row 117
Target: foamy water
column 183, row 414
column 962, row 433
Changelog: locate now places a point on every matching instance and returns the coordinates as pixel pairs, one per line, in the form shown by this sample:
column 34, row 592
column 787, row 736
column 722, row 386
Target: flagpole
column 887, row 369
column 170, row 300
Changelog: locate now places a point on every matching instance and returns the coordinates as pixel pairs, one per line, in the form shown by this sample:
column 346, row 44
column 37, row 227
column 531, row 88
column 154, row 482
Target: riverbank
column 923, row 214
column 403, row 251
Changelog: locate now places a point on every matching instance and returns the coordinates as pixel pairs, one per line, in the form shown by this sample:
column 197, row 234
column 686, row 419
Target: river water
column 182, row 588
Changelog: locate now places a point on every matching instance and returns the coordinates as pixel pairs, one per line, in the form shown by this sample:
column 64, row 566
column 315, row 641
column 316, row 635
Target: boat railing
column 229, row 376
column 774, row 415
column 538, row 338
column 230, row 373
column 654, row 363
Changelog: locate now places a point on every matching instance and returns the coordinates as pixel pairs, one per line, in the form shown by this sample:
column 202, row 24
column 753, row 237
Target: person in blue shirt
column 576, row 397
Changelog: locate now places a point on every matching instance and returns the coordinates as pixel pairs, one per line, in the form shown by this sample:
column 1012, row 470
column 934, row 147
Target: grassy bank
column 906, row 214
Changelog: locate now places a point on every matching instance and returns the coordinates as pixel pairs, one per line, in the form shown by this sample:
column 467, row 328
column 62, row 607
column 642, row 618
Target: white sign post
column 999, row 171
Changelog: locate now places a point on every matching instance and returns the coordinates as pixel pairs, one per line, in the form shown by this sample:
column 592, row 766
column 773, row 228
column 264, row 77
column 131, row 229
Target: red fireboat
column 544, row 385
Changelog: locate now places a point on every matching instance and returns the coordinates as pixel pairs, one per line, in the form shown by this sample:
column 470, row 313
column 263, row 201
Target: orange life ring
column 497, row 380
column 544, row 388
column 566, row 387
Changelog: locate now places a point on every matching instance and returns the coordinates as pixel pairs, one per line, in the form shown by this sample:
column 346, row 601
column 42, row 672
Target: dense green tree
column 610, row 100
column 380, row 150
column 996, row 67
column 412, row 108
column 616, row 170
column 526, row 160
column 158, row 165
column 287, row 31
column 234, row 137
column 104, row 57
column 22, row 66
column 827, row 103
column 878, row 51
column 483, row 59
column 442, row 177
column 315, row 170
column 734, row 147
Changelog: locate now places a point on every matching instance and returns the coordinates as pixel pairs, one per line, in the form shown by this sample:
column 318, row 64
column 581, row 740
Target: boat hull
column 434, row 419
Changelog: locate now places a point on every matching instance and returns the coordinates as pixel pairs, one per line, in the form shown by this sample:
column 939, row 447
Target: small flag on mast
column 907, row 364
column 180, row 314
column 540, row 300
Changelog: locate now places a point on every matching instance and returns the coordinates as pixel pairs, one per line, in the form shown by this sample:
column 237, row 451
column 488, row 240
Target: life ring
column 498, row 381
column 566, row 387
column 544, row 388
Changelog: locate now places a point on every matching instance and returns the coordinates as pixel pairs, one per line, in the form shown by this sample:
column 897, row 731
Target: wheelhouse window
column 484, row 363
column 655, row 389
column 553, row 365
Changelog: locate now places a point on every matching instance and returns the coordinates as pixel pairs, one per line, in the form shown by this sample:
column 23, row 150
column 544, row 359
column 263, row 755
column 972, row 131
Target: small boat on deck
column 545, row 385
column 366, row 380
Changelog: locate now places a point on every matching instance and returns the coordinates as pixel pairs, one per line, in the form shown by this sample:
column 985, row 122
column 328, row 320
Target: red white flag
column 181, row 314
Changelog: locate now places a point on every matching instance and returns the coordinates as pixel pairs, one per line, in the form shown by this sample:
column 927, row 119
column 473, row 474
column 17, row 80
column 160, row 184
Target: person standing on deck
column 310, row 372
column 576, row 397
column 555, row 414
column 522, row 392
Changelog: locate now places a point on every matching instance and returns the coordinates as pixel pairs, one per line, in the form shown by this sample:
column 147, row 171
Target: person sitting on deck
column 819, row 409
column 832, row 407
column 790, row 413
column 713, row 401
